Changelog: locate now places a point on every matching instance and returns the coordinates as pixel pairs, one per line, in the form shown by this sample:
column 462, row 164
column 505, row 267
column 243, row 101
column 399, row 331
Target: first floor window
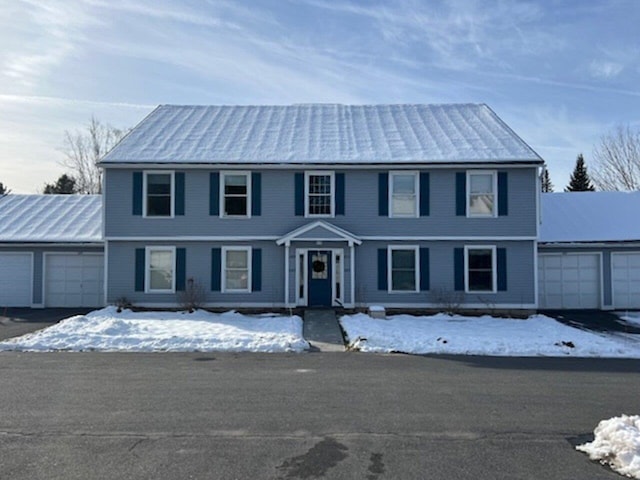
column 236, row 194
column 320, row 194
column 159, row 190
column 482, row 186
column 236, row 273
column 481, row 269
column 404, row 189
column 403, row 269
column 160, row 272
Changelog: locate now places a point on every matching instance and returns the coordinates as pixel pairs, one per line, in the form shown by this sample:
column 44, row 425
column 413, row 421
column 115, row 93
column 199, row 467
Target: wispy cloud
column 605, row 69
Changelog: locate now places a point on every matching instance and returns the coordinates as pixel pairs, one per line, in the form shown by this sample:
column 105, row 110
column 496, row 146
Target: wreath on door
column 318, row 266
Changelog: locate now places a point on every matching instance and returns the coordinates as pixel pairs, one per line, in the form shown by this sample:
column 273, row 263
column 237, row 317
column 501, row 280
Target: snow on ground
column 201, row 331
column 455, row 334
column 630, row 317
column 617, row 444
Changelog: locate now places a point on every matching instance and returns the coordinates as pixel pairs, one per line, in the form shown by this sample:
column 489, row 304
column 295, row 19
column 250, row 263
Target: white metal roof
column 590, row 217
column 51, row 218
column 321, row 133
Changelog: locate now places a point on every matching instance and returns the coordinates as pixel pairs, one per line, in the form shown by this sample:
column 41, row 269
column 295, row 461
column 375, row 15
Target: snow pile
column 201, row 331
column 630, row 317
column 455, row 334
column 617, row 444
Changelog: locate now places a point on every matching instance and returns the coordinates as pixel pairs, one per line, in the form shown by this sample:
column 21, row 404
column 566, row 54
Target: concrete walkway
column 321, row 330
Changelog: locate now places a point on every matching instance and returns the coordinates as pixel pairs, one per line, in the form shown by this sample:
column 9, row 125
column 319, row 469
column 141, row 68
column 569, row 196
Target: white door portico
column 320, row 240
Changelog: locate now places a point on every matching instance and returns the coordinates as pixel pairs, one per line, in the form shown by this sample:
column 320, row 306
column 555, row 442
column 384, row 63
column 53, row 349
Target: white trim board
column 498, row 163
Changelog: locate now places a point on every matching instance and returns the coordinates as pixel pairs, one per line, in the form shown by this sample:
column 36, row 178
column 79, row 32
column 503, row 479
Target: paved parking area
column 593, row 320
column 19, row 321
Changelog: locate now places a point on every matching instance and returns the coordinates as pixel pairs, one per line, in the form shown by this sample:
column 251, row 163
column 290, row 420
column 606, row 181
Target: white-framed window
column 403, row 194
column 235, row 194
column 482, row 186
column 160, row 272
column 403, row 271
column 480, row 269
column 319, row 197
column 236, row 269
column 158, row 194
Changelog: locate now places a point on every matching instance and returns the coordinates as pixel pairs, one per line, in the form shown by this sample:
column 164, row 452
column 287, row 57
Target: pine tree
column 547, row 186
column 580, row 181
column 4, row 190
column 64, row 185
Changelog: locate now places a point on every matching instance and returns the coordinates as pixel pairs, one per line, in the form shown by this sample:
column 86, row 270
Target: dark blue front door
column 319, row 278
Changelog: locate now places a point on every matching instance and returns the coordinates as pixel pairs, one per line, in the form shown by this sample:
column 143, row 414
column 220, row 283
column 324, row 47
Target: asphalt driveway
column 19, row 321
column 593, row 320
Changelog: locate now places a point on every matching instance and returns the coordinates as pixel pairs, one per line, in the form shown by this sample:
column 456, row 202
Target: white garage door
column 73, row 280
column 15, row 280
column 625, row 276
column 569, row 281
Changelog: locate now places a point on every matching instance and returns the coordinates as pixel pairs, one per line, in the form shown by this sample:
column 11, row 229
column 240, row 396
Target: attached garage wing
column 15, row 279
column 569, row 281
column 74, row 280
column 625, row 277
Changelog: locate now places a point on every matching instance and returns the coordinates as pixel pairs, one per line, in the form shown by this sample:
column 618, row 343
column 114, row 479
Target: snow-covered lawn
column 617, row 444
column 200, row 331
column 455, row 334
column 630, row 317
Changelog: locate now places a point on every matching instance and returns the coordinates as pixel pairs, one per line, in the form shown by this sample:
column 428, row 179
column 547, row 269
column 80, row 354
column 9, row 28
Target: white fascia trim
column 416, row 267
column 221, row 194
column 494, row 183
column 223, row 269
column 460, row 239
column 345, row 236
column 475, row 306
column 321, row 173
column 498, row 163
column 416, row 189
column 536, row 289
column 147, row 272
column 194, row 239
column 542, row 245
column 494, row 273
column 52, row 245
column 172, row 203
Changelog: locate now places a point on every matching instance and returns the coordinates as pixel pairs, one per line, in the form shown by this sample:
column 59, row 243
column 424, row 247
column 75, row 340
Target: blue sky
column 560, row 73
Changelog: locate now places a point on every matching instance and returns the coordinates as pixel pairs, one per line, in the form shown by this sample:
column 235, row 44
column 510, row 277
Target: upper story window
column 319, row 197
column 481, row 194
column 480, row 269
column 403, row 271
column 160, row 270
column 235, row 192
column 403, row 194
column 158, row 196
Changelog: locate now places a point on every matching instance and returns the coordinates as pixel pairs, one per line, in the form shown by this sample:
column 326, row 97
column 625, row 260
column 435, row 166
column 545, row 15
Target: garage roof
column 51, row 218
column 579, row 217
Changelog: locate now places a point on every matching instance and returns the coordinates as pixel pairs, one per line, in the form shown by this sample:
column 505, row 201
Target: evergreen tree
column 547, row 186
column 64, row 185
column 4, row 190
column 580, row 181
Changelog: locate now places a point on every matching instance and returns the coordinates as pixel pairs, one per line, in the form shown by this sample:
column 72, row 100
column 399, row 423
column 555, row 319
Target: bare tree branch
column 617, row 160
column 83, row 149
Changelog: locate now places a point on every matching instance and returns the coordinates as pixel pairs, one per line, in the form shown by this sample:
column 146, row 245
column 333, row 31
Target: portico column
column 286, row 273
column 353, row 273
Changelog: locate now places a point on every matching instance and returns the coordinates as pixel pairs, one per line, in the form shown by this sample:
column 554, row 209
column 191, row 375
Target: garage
column 625, row 278
column 569, row 280
column 74, row 280
column 15, row 279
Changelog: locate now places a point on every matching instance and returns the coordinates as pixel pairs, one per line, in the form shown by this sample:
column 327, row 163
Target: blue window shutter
column 181, row 269
column 216, row 269
column 503, row 194
column 339, row 193
column 383, row 195
column 256, row 194
column 214, row 193
column 424, row 194
column 382, row 269
column 179, row 205
column 299, row 191
column 458, row 269
column 256, row 269
column 424, row 269
column 137, row 193
column 461, row 194
column 501, row 264
column 140, row 266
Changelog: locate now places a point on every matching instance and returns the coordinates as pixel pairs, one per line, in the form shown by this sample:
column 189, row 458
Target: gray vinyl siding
column 607, row 286
column 361, row 208
column 121, row 278
column 38, row 263
column 520, row 275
